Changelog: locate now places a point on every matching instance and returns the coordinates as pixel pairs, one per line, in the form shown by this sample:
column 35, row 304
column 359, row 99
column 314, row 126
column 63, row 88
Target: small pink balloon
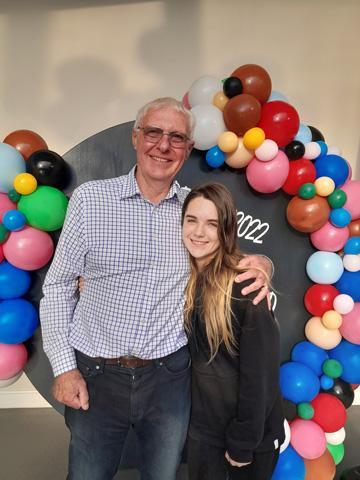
column 267, row 150
column 5, row 205
column 1, row 254
column 352, row 190
column 343, row 304
column 350, row 328
column 28, row 249
column 330, row 238
column 267, row 177
column 350, row 171
column 185, row 101
column 307, row 438
column 12, row 359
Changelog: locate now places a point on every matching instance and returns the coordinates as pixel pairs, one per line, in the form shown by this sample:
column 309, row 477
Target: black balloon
column 295, row 150
column 290, row 410
column 49, row 168
column 232, row 87
column 343, row 391
column 316, row 134
column 351, row 474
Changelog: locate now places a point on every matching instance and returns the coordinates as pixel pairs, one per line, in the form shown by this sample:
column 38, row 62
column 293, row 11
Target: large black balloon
column 343, row 391
column 295, row 150
column 49, row 168
column 316, row 134
column 232, row 87
column 351, row 474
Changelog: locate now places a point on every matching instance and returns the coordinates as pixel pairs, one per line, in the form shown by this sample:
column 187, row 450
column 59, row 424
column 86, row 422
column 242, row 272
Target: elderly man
column 119, row 352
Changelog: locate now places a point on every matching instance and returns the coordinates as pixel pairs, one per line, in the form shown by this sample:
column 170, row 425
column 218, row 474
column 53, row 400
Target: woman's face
column 200, row 230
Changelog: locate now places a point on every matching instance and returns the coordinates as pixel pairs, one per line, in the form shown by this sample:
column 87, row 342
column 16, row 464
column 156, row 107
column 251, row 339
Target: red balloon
column 280, row 122
column 320, row 298
column 329, row 412
column 301, row 171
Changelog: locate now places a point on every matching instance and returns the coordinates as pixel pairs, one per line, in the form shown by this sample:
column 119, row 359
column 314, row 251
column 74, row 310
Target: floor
column 33, row 445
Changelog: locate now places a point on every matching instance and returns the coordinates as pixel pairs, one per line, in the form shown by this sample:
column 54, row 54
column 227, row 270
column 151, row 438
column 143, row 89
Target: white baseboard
column 19, row 399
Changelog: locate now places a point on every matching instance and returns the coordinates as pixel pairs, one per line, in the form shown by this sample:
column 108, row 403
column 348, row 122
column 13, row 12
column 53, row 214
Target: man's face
column 161, row 161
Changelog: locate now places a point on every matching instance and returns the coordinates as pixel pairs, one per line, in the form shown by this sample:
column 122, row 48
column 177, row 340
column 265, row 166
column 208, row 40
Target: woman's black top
column 236, row 402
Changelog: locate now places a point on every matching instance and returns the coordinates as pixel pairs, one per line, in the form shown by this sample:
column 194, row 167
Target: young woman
column 236, row 424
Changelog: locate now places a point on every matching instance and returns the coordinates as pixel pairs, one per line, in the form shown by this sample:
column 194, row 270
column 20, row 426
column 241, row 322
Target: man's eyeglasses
column 155, row 134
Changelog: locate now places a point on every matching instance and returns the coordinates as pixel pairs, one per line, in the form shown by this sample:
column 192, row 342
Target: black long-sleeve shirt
column 236, row 402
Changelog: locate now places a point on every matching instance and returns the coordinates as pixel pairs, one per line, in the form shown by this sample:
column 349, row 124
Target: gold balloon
column 332, row 319
column 324, row 186
column 241, row 157
column 253, row 138
column 228, row 142
column 220, row 100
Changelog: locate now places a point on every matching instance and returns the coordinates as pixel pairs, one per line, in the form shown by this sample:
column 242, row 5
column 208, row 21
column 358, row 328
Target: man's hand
column 70, row 389
column 260, row 269
column 233, row 463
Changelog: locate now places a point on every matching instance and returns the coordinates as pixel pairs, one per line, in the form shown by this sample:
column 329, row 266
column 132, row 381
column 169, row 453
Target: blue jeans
column 154, row 400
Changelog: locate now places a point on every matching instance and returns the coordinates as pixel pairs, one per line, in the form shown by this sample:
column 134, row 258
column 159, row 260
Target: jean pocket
column 88, row 367
column 178, row 363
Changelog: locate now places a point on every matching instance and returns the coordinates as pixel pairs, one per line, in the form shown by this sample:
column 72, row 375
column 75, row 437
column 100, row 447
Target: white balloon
column 335, row 438
column 351, row 262
column 312, row 150
column 209, row 125
column 267, row 150
column 334, row 150
column 287, row 431
column 10, row 381
column 343, row 304
column 202, row 91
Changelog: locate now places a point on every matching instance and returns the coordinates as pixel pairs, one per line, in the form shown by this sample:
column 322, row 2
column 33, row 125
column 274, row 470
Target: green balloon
column 307, row 190
column 13, row 195
column 337, row 199
column 305, row 410
column 337, row 452
column 4, row 233
column 332, row 368
column 45, row 208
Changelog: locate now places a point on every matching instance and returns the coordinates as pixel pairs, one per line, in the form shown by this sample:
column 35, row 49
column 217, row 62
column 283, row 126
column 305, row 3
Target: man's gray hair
column 167, row 102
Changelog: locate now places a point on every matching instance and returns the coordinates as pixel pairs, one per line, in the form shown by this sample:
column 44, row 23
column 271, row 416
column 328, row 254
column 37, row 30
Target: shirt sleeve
column 258, row 380
column 61, row 291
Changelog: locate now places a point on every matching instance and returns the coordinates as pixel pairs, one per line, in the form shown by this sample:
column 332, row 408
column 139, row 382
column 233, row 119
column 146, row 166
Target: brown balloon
column 241, row 113
column 322, row 468
column 255, row 80
column 308, row 215
column 354, row 228
column 26, row 142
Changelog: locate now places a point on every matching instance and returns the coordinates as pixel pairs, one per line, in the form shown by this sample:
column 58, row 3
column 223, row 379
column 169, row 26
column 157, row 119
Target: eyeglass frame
column 186, row 138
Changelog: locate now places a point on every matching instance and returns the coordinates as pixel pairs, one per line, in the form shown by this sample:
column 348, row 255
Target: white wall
column 70, row 68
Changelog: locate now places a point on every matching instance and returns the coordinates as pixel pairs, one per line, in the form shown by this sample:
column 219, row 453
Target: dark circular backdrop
column 262, row 228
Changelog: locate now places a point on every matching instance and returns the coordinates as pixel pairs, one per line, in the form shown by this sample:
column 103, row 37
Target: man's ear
column 134, row 138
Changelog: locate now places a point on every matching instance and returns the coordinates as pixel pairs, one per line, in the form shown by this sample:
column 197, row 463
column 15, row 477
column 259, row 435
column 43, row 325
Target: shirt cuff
column 63, row 361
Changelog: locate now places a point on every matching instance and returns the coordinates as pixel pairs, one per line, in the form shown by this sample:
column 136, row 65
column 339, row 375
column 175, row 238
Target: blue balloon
column 340, row 217
column 349, row 283
column 298, row 382
column 18, row 321
column 326, row 382
column 13, row 282
column 215, row 157
column 310, row 355
column 348, row 354
column 332, row 166
column 323, row 147
column 14, row 220
column 11, row 164
column 324, row 267
column 275, row 95
column 352, row 246
column 290, row 466
column 304, row 134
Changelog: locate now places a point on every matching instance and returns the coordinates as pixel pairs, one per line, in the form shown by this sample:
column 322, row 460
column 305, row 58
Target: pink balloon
column 267, row 177
column 352, row 190
column 5, row 205
column 12, row 359
column 307, row 438
column 350, row 171
column 28, row 249
column 1, row 254
column 350, row 328
column 185, row 101
column 330, row 238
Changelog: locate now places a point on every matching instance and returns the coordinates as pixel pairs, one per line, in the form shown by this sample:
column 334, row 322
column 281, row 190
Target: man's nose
column 164, row 143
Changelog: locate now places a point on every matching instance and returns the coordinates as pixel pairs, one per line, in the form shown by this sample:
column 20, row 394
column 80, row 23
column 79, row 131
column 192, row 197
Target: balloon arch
column 243, row 124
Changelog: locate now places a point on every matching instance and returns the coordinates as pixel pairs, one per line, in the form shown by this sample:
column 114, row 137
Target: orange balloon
column 241, row 113
column 308, row 215
column 354, row 228
column 321, row 468
column 26, row 142
column 255, row 80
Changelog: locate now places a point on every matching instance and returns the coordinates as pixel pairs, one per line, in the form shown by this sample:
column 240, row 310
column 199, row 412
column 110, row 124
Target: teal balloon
column 11, row 164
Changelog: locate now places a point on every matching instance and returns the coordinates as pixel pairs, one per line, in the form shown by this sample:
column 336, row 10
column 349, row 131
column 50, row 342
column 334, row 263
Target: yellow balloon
column 324, row 186
column 253, row 138
column 321, row 336
column 332, row 319
column 25, row 183
column 241, row 157
column 228, row 142
column 220, row 100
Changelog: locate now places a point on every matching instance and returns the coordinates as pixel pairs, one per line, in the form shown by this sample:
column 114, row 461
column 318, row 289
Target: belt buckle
column 123, row 362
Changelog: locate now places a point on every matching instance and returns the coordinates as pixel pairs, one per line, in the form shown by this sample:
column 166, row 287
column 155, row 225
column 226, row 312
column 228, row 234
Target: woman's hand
column 81, row 284
column 260, row 269
column 233, row 463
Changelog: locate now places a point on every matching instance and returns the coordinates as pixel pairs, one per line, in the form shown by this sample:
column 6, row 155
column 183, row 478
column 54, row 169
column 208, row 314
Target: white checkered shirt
column 135, row 267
